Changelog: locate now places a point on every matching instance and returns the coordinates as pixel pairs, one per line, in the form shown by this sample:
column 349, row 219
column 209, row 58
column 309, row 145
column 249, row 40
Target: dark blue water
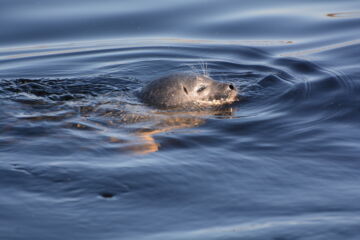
column 82, row 158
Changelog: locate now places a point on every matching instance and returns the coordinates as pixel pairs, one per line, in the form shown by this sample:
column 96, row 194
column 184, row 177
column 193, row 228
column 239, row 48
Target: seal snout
column 230, row 89
column 232, row 93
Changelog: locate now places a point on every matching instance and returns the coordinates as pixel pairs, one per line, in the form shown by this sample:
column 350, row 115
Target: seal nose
column 231, row 87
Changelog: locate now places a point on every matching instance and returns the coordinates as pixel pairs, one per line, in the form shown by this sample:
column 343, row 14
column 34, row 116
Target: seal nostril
column 185, row 90
column 231, row 87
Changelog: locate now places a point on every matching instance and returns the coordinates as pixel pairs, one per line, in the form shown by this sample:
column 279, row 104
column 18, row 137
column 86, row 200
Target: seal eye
column 185, row 90
column 202, row 88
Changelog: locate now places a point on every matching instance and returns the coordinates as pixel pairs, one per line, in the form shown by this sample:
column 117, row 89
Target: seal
column 187, row 91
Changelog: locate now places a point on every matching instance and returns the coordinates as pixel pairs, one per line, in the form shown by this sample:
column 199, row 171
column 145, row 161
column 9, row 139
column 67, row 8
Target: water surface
column 83, row 158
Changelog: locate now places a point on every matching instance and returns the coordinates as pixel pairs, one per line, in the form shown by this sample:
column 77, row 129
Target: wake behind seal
column 187, row 91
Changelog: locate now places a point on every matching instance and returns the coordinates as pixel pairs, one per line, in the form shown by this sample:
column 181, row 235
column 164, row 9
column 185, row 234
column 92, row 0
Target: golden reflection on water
column 146, row 142
column 149, row 125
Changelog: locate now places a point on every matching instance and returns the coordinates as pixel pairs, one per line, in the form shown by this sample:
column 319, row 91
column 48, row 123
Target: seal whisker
column 206, row 69
column 203, row 67
column 194, row 69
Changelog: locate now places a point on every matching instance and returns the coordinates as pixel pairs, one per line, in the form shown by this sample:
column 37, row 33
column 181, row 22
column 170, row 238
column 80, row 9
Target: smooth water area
column 81, row 157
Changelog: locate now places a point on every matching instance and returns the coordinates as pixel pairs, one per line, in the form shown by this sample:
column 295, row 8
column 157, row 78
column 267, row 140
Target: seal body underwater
column 187, row 91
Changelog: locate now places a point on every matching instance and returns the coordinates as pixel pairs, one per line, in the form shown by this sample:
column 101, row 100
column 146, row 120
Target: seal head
column 188, row 91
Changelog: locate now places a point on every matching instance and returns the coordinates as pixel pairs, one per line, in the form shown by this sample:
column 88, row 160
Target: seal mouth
column 220, row 100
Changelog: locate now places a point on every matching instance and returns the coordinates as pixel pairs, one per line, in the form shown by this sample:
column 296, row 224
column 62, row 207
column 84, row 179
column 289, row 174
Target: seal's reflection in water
column 143, row 137
column 171, row 122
